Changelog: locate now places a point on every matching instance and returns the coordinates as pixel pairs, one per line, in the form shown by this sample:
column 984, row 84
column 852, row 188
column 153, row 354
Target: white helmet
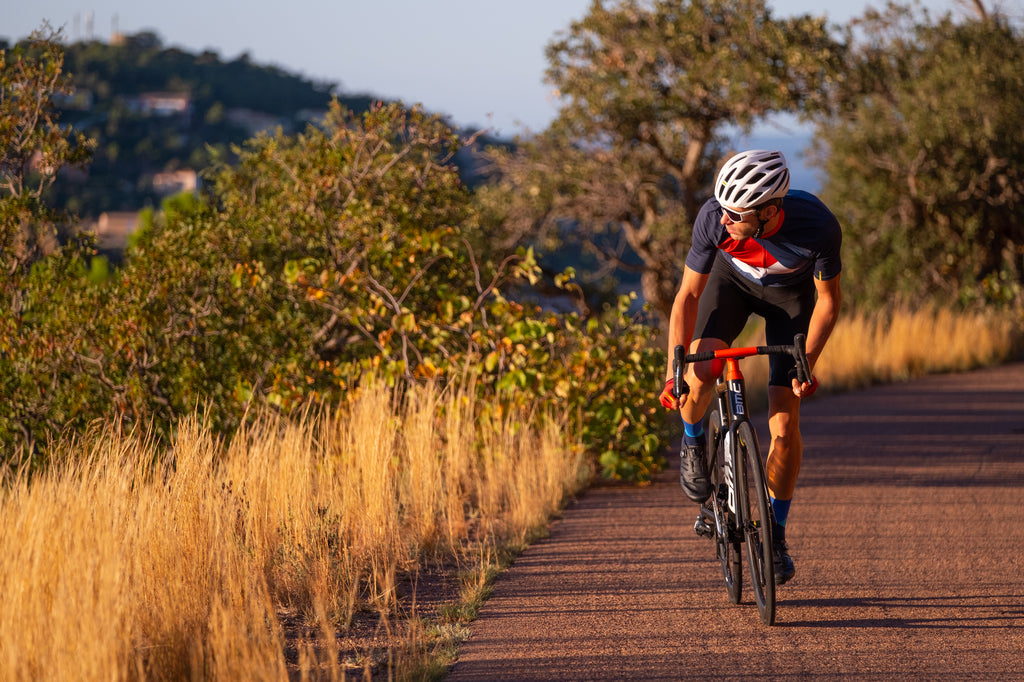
column 751, row 178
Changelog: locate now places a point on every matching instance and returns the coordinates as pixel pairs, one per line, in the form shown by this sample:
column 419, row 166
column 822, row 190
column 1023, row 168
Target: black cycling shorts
column 729, row 299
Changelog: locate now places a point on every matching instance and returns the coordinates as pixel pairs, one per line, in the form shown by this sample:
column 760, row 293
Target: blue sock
column 693, row 433
column 781, row 510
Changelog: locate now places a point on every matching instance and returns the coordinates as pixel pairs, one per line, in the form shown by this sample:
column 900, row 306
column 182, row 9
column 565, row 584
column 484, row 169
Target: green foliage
column 315, row 259
column 33, row 147
column 622, row 421
column 922, row 153
column 40, row 284
column 649, row 91
column 46, row 372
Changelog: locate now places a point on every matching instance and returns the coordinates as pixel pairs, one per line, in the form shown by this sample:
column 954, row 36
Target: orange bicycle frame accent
column 732, row 357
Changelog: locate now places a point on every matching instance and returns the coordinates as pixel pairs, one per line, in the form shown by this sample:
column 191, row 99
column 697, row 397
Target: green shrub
column 315, row 259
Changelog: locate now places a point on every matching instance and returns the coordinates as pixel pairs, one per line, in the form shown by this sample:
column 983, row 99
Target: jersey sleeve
column 704, row 246
column 829, row 263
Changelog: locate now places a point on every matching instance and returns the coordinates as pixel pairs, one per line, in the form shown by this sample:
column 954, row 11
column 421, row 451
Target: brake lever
column 803, row 369
column 678, row 385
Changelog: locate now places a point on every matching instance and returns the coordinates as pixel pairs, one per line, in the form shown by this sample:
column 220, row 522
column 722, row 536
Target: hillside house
column 113, row 228
column 175, row 182
column 161, row 104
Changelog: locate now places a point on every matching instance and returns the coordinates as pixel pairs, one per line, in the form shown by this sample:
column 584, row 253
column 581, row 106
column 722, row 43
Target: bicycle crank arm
column 704, row 526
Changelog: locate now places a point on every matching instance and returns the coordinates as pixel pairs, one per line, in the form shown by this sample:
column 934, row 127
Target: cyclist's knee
column 702, row 375
column 783, row 408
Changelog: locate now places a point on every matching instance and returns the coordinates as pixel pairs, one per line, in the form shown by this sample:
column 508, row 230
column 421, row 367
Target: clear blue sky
column 479, row 61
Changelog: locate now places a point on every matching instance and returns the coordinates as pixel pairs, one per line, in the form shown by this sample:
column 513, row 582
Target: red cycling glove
column 668, row 399
column 814, row 387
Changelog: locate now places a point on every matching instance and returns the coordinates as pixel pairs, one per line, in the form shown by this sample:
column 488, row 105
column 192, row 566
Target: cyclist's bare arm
column 823, row 320
column 684, row 312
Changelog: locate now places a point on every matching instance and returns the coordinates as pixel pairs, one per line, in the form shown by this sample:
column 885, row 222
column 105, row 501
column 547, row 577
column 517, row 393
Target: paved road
column 908, row 536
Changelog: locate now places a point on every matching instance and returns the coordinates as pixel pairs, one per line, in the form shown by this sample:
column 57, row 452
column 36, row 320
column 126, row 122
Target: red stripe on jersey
column 748, row 251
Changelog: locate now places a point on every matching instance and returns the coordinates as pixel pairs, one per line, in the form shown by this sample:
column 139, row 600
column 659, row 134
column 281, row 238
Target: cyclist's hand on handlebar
column 806, row 389
column 668, row 399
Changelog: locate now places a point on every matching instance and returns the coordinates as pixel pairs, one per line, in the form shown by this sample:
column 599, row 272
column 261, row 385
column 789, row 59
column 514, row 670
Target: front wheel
column 757, row 522
column 727, row 535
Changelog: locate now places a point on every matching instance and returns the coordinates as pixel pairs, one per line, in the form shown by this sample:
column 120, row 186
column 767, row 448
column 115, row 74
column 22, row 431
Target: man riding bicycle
column 758, row 248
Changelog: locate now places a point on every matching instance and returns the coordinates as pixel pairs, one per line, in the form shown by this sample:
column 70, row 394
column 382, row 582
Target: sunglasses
column 737, row 217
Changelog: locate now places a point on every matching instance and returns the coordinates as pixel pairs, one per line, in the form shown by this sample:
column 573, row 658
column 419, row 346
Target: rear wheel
column 757, row 523
column 727, row 535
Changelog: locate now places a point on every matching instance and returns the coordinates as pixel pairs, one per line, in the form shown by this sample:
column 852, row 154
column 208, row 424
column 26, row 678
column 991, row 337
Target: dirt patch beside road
column 906, row 530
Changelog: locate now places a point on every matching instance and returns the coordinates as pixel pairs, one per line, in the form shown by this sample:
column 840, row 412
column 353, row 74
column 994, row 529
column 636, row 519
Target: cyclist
column 758, row 248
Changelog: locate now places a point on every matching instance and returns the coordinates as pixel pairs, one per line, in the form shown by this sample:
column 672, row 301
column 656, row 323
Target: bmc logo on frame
column 736, row 391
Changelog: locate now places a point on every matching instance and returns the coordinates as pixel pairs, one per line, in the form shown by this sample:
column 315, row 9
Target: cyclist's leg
column 785, row 452
column 721, row 316
column 786, row 314
column 782, row 469
column 694, row 476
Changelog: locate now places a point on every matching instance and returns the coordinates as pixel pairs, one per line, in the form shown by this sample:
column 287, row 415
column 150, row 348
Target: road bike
column 738, row 511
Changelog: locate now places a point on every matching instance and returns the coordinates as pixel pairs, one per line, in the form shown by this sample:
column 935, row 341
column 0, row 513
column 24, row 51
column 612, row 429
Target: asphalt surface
column 907, row 530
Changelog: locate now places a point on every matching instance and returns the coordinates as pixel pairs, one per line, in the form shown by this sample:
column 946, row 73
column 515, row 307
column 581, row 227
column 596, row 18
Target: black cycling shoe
column 784, row 568
column 693, row 472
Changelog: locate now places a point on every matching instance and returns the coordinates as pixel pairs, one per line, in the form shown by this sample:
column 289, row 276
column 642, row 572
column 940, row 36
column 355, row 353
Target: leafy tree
column 39, row 283
column 922, row 150
column 33, row 146
column 650, row 92
column 48, row 379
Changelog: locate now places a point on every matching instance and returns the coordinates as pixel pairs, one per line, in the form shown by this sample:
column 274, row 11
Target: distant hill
column 161, row 114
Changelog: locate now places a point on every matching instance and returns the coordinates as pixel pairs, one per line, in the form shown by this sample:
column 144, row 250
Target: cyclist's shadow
column 982, row 612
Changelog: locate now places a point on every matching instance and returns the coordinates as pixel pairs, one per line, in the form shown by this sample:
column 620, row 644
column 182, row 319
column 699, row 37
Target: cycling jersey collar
column 775, row 230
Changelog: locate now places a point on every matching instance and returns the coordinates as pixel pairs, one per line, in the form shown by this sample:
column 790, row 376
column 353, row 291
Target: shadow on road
column 978, row 611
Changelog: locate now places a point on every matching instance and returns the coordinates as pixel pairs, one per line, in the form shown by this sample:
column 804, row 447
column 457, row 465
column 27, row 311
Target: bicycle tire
column 727, row 534
column 757, row 525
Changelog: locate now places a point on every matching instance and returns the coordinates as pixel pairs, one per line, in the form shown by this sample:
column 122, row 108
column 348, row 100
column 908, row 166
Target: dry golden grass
column 123, row 562
column 895, row 345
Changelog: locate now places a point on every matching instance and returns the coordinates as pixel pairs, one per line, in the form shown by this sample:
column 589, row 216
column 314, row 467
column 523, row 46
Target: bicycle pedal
column 702, row 528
